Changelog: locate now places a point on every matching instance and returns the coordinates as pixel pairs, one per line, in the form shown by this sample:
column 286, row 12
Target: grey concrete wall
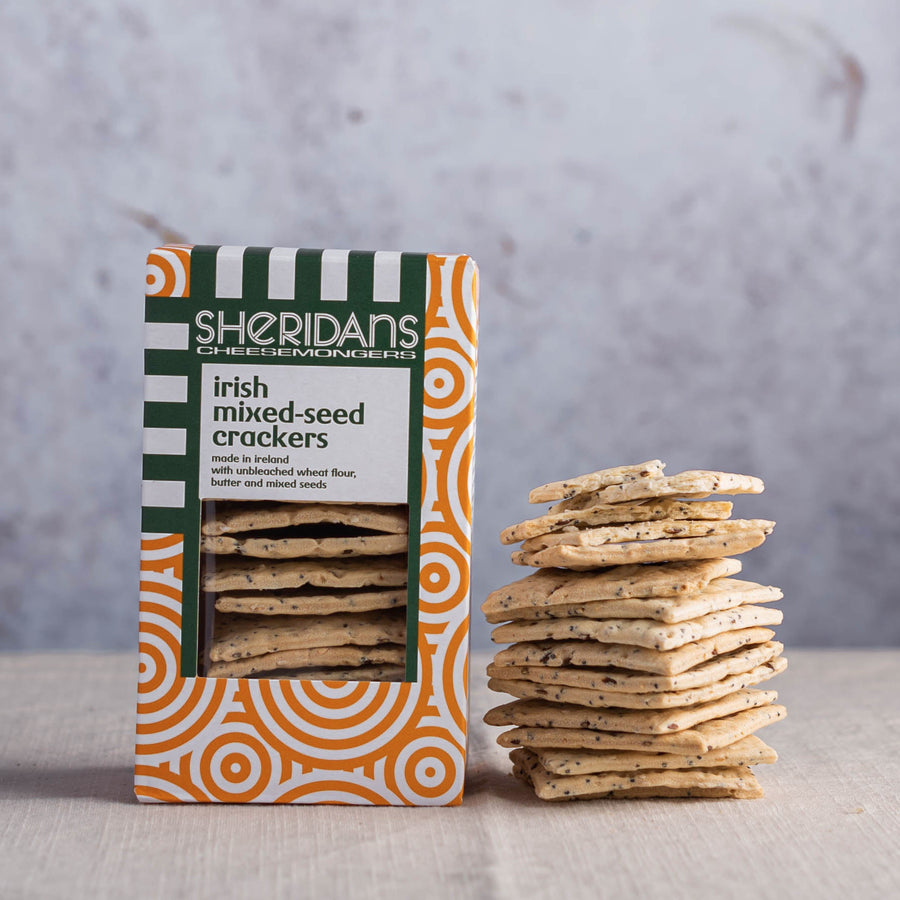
column 686, row 215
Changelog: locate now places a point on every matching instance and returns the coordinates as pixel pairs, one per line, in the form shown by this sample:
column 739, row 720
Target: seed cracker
column 315, row 602
column 728, row 781
column 291, row 548
column 624, row 681
column 748, row 751
column 645, row 531
column 238, row 516
column 696, row 483
column 315, row 658
column 358, row 673
column 626, row 656
column 665, row 550
column 527, row 690
column 639, row 721
column 236, row 575
column 720, row 594
column 552, row 587
column 610, row 514
column 640, row 632
column 593, row 481
column 237, row 636
column 702, row 738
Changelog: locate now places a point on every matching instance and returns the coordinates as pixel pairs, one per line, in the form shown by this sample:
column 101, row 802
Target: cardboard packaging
column 306, row 518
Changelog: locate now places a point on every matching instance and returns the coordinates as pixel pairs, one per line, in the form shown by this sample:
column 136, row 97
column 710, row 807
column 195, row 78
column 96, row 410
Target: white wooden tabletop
column 829, row 825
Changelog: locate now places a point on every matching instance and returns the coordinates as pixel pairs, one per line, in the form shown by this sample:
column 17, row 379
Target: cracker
column 314, row 602
column 237, row 636
column 732, row 781
column 291, row 548
column 645, row 531
column 336, row 673
column 659, row 793
column 610, row 514
column 693, row 483
column 236, row 575
column 701, row 738
column 593, row 481
column 624, row 656
column 638, row 721
column 630, row 700
column 639, row 632
column 645, row 793
column 749, row 751
column 237, row 516
column 666, row 550
column 622, row 680
column 317, row 658
column 552, row 587
column 718, row 595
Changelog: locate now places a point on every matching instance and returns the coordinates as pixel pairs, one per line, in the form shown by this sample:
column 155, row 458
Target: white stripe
column 169, row 441
column 282, row 262
column 386, row 286
column 162, row 493
column 165, row 388
column 166, row 335
column 334, row 274
column 230, row 271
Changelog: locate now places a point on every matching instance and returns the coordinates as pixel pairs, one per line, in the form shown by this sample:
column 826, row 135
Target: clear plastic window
column 303, row 590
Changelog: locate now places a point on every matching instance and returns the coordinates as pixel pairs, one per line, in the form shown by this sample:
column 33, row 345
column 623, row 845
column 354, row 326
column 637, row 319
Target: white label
column 304, row 433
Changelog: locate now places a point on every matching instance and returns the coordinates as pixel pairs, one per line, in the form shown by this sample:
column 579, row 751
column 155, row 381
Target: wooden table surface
column 829, row 825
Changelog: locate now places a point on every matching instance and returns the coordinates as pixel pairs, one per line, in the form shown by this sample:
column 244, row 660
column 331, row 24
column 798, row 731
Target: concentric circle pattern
column 169, row 271
column 237, row 740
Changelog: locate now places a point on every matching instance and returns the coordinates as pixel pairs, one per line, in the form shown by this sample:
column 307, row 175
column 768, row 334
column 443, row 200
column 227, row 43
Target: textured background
column 686, row 215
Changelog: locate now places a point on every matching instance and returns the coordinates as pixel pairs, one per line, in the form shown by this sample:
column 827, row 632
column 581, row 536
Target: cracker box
column 307, row 501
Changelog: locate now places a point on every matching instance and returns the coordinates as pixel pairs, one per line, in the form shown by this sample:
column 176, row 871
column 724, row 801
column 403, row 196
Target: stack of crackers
column 636, row 654
column 315, row 591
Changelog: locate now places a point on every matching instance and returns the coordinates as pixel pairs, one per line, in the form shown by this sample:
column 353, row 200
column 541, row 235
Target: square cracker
column 702, row 738
column 645, row 531
column 552, row 587
column 271, row 547
column 732, row 781
column 240, row 574
column 638, row 721
column 236, row 516
column 625, row 656
column 345, row 657
column 748, row 751
column 593, row 481
column 718, row 595
column 693, row 483
column 237, row 636
column 665, row 550
column 650, row 793
column 336, row 673
column 527, row 690
column 640, row 632
column 310, row 602
column 622, row 680
column 613, row 513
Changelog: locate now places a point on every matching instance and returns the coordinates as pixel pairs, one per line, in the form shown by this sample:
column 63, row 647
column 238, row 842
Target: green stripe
column 203, row 271
column 256, row 276
column 413, row 267
column 162, row 467
column 166, row 415
column 308, row 277
column 360, row 276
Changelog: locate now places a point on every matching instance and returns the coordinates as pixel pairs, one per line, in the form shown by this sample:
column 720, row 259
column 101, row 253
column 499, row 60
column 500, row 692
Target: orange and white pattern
column 169, row 271
column 243, row 740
